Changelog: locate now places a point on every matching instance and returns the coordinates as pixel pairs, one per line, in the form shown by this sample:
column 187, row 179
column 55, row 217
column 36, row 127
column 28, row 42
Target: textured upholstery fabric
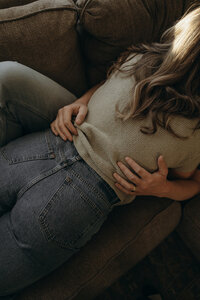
column 126, row 237
column 11, row 3
column 189, row 227
column 43, row 36
column 113, row 25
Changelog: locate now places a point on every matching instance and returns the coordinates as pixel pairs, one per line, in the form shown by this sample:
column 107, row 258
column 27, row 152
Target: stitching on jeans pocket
column 30, row 158
column 28, row 148
column 84, row 197
column 90, row 186
column 105, row 184
column 37, row 179
column 50, row 230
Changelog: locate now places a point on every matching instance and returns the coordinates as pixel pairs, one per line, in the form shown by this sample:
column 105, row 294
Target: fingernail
column 127, row 158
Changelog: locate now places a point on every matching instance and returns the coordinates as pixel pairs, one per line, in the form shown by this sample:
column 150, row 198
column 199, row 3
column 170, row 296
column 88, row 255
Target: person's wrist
column 166, row 189
column 83, row 100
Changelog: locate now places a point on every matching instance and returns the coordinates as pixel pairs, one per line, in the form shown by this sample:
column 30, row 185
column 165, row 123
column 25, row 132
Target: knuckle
column 119, row 179
column 130, row 187
column 126, row 192
column 132, row 177
column 59, row 124
column 66, row 123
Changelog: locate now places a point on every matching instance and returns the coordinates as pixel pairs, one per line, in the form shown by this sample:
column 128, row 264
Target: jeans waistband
column 64, row 151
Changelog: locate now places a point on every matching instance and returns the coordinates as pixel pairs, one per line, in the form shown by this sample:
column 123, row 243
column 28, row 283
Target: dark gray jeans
column 51, row 201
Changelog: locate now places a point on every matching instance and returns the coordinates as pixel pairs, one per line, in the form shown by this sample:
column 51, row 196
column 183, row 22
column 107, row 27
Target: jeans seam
column 47, row 138
column 43, row 213
column 89, row 185
column 21, row 160
column 87, row 199
column 106, row 185
column 48, row 155
column 37, row 179
column 48, row 235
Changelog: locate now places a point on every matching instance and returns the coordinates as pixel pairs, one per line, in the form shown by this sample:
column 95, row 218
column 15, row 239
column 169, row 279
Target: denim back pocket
column 71, row 217
column 33, row 146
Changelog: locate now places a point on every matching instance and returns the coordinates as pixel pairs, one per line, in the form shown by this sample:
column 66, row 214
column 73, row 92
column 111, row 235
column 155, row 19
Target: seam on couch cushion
column 82, row 10
column 163, row 212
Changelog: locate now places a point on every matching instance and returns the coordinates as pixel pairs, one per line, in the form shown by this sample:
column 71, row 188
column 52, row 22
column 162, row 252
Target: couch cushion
column 43, row 35
column 129, row 233
column 10, row 3
column 113, row 25
column 189, row 227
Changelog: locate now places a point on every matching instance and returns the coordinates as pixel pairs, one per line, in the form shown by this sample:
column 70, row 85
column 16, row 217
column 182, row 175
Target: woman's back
column 104, row 139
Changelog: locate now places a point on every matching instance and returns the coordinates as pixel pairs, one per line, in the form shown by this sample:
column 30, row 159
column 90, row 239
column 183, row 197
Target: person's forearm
column 86, row 97
column 181, row 189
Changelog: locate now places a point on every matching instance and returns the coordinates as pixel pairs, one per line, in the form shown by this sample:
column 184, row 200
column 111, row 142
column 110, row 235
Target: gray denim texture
column 51, row 201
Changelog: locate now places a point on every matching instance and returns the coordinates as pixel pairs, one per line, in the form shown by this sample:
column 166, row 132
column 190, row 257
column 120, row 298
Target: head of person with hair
column 167, row 77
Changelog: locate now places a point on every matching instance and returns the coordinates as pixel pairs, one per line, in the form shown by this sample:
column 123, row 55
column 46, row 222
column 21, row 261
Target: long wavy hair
column 167, row 77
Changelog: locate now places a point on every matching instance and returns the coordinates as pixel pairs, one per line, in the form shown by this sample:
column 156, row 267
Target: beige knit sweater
column 103, row 139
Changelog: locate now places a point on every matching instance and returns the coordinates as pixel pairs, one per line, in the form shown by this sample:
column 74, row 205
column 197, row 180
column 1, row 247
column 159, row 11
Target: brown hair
column 167, row 77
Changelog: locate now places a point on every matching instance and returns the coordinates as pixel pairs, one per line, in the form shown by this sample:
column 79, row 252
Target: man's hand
column 63, row 125
column 144, row 183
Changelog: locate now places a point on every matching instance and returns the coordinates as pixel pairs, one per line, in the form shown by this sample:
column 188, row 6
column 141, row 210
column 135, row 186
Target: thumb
column 81, row 114
column 162, row 166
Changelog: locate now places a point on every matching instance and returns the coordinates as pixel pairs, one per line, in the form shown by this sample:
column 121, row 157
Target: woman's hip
column 56, row 212
column 39, row 155
column 56, row 188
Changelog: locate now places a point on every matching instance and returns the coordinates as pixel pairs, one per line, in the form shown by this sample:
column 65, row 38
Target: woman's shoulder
column 124, row 71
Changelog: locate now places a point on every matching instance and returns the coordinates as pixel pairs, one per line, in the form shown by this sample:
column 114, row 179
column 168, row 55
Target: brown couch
column 74, row 42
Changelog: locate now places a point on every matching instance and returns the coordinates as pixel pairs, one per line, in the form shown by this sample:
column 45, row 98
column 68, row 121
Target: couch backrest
column 11, row 3
column 43, row 36
column 112, row 25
